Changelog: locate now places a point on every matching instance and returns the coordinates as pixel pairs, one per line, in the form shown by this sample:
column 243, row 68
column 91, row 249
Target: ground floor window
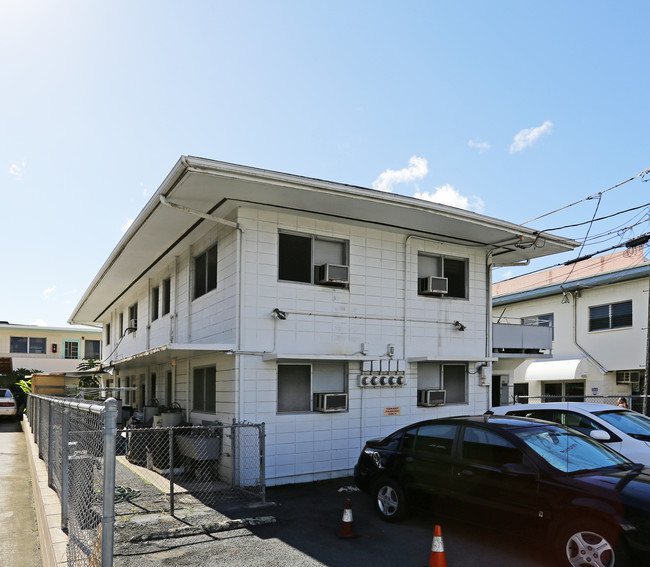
column 449, row 377
column 297, row 384
column 204, row 388
column 574, row 390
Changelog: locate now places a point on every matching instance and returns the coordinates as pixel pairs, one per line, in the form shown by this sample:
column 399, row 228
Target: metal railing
column 73, row 439
column 635, row 402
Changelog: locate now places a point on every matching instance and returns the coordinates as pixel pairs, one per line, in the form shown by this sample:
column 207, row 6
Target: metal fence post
column 65, row 463
column 50, row 445
column 263, row 461
column 108, row 515
column 171, row 471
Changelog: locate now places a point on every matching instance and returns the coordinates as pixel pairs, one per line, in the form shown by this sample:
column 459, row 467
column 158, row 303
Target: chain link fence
column 73, row 437
column 211, row 463
column 637, row 402
column 100, row 472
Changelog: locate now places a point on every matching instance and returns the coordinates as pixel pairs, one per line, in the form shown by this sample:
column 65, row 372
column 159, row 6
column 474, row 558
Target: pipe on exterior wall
column 574, row 294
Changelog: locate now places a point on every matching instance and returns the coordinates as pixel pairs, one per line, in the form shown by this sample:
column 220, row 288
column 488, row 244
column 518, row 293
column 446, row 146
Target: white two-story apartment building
column 595, row 314
column 329, row 312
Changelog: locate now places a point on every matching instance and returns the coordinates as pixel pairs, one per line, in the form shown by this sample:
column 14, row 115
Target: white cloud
column 17, row 170
column 528, row 136
column 39, row 323
column 126, row 225
column 480, row 145
column 447, row 195
column 145, row 191
column 417, row 169
column 47, row 292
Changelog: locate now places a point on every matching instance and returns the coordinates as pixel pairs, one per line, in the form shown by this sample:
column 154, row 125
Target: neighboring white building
column 596, row 315
column 47, row 349
column 318, row 308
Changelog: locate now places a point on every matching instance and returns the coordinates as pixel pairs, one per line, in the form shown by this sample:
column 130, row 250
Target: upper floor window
column 31, row 345
column 546, row 320
column 108, row 333
column 155, row 302
column 71, row 348
column 92, row 349
column 166, row 296
column 133, row 317
column 313, row 260
column 612, row 316
column 205, row 272
column 443, row 276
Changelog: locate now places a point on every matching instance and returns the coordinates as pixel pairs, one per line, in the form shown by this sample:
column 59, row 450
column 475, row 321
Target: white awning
column 547, row 370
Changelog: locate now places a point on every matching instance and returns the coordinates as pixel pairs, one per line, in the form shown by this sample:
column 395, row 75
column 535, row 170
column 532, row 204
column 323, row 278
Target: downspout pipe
column 575, row 334
column 240, row 277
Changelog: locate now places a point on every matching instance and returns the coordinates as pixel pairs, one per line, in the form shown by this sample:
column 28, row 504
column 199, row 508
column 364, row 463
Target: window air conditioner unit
column 133, row 323
column 331, row 402
column 333, row 274
column 431, row 398
column 432, row 286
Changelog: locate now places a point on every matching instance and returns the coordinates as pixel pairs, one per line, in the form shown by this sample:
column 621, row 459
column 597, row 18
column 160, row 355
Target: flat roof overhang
column 167, row 354
column 219, row 189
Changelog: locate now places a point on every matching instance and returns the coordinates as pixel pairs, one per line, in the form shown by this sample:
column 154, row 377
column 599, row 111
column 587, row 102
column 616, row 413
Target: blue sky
column 508, row 108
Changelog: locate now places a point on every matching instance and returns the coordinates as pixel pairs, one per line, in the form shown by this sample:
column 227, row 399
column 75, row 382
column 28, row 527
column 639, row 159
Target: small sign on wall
column 392, row 411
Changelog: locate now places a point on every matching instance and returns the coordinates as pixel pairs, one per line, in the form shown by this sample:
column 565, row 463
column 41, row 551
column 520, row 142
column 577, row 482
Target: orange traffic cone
column 437, row 558
column 347, row 525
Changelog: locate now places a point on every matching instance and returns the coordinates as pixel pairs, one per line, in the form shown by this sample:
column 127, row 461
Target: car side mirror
column 518, row 470
column 599, row 435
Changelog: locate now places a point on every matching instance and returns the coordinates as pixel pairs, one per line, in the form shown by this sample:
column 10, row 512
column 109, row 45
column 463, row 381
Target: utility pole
column 647, row 361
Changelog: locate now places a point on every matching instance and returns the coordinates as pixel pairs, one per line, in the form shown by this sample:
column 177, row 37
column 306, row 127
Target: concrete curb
column 53, row 541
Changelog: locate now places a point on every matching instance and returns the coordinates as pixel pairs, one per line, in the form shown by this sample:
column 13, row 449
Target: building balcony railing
column 521, row 341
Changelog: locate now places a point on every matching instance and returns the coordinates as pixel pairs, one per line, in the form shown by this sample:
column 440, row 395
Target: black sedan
column 531, row 477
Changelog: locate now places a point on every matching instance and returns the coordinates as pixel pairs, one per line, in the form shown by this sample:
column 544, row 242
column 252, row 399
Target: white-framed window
column 30, row 345
column 166, row 295
column 133, row 316
column 205, row 271
column 612, row 316
column 452, row 378
column 448, row 271
column 313, row 259
column 71, row 348
column 155, row 302
column 546, row 320
column 204, row 389
column 297, row 383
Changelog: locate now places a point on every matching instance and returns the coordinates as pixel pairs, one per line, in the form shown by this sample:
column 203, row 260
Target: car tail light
column 7, row 404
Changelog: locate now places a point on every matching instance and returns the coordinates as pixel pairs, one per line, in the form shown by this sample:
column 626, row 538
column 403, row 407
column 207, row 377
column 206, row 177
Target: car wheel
column 390, row 501
column 586, row 543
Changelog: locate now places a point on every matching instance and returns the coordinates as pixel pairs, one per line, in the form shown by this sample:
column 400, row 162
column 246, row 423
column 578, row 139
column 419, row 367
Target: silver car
column 8, row 405
column 624, row 430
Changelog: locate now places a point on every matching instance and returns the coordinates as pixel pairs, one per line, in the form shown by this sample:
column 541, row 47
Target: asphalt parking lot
column 301, row 527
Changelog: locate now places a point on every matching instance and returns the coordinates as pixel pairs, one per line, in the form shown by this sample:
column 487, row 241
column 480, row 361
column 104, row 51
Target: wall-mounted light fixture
column 391, row 350
column 459, row 326
column 278, row 314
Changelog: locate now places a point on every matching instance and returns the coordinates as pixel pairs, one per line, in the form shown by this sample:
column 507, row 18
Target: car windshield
column 630, row 422
column 569, row 451
column 4, row 393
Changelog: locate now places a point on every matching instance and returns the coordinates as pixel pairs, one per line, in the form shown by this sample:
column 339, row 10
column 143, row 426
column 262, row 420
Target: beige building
column 47, row 349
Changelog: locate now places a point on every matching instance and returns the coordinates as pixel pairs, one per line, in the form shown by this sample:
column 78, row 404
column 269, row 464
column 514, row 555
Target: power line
column 595, row 196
